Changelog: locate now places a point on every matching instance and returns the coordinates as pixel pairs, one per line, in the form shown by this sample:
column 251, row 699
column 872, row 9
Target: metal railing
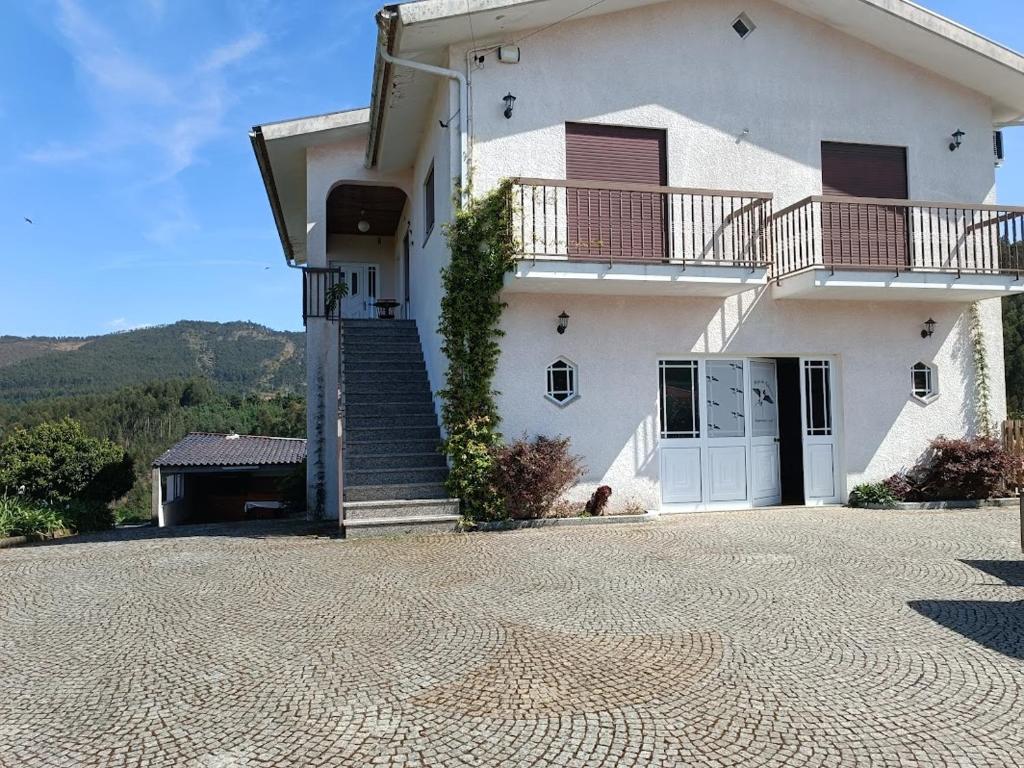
column 853, row 233
column 317, row 283
column 619, row 222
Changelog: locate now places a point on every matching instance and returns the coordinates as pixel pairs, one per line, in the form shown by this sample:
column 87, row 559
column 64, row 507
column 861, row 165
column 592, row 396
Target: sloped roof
column 206, row 449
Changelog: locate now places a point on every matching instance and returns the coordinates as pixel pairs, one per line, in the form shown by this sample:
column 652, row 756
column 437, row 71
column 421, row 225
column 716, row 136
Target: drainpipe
column 461, row 89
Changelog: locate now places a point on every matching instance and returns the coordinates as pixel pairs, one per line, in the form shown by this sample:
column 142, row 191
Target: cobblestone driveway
column 830, row 637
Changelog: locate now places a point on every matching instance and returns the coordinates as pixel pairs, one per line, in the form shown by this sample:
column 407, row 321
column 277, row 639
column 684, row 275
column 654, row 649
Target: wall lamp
column 563, row 322
column 929, row 329
column 957, row 136
column 510, row 101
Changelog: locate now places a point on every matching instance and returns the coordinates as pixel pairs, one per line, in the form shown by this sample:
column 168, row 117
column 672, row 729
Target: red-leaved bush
column 973, row 468
column 598, row 501
column 531, row 475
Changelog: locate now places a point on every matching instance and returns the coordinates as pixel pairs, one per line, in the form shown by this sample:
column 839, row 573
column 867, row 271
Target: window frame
column 931, row 391
column 572, row 393
column 693, row 366
column 429, row 204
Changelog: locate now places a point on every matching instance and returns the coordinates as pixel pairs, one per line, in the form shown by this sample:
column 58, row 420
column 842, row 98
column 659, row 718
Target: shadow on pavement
column 1009, row 571
column 262, row 529
column 994, row 624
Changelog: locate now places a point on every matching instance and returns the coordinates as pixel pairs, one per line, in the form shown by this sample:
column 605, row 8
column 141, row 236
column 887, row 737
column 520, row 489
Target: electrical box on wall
column 508, row 54
column 997, row 146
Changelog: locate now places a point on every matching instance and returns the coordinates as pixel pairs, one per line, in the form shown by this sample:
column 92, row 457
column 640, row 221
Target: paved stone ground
column 771, row 638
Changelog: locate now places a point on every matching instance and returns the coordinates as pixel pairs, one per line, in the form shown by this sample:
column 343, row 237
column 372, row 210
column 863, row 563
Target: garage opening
column 224, row 478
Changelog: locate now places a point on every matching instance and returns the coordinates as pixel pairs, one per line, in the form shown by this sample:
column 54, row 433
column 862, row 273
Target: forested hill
column 237, row 357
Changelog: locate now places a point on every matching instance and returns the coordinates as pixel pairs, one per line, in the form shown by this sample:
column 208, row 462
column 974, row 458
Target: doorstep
column 962, row 504
column 554, row 522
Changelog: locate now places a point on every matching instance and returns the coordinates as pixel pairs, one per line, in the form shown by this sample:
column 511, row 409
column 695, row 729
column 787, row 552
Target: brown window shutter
column 610, row 223
column 858, row 234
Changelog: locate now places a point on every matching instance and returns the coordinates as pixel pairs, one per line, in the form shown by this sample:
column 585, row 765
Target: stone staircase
column 394, row 473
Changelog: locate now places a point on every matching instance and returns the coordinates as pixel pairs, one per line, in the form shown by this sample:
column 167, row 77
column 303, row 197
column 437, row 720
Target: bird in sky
column 27, row 220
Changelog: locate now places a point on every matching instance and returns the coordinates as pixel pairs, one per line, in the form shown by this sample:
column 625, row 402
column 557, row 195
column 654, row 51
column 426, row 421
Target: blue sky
column 124, row 134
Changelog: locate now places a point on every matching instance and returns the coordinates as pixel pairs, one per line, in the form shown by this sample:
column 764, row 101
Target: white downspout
column 463, row 111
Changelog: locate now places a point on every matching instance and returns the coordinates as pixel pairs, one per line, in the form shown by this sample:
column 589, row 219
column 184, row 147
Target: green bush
column 20, row 517
column 57, row 462
column 872, row 493
column 471, row 447
column 83, row 516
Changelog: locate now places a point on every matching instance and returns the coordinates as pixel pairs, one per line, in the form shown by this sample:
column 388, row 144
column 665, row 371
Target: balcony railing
column 638, row 223
column 317, row 284
column 870, row 234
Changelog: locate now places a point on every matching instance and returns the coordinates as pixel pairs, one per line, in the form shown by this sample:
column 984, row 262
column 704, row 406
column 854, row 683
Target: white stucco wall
column 679, row 66
column 617, row 343
column 793, row 83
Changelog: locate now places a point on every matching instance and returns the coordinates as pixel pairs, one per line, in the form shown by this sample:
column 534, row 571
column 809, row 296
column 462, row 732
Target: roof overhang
column 423, row 30
column 280, row 150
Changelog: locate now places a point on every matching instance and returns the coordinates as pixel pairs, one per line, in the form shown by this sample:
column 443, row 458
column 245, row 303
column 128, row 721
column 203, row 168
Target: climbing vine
column 981, row 372
column 482, row 251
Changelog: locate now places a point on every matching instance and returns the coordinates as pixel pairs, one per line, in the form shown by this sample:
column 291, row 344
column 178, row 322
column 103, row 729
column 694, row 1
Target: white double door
column 361, row 279
column 720, row 433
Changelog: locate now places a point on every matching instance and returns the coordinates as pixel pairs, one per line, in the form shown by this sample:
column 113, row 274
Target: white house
column 772, row 225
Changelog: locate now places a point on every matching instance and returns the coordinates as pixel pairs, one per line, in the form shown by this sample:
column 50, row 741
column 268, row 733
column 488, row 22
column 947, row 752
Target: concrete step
column 403, row 526
column 390, row 394
column 389, row 408
column 397, row 445
column 395, row 460
column 357, row 377
column 397, row 510
column 397, row 476
column 395, row 491
column 394, row 367
column 362, row 346
column 362, row 322
column 393, row 421
column 359, row 359
column 391, row 434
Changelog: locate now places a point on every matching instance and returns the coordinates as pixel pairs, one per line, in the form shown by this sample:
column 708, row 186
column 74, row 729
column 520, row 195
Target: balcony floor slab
column 871, row 285
column 632, row 279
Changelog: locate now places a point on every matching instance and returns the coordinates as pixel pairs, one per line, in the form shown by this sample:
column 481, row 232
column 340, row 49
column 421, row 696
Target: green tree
column 57, row 462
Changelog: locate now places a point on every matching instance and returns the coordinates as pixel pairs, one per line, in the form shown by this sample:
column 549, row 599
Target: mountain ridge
column 238, row 357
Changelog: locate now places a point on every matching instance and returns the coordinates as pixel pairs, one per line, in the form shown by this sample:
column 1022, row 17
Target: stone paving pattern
column 823, row 637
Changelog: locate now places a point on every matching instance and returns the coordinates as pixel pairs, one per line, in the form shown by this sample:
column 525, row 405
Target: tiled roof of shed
column 205, row 449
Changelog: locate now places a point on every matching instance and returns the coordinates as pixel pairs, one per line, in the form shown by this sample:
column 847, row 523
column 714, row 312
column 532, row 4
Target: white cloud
column 122, row 324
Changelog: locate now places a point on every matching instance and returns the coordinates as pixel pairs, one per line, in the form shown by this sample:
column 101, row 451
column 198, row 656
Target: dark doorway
column 791, row 448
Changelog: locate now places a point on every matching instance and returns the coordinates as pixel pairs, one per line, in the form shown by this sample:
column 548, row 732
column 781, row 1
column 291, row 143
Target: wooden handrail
column 649, row 188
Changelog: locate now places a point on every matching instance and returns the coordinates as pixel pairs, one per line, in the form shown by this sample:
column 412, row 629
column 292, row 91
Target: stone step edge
column 399, row 503
column 384, row 522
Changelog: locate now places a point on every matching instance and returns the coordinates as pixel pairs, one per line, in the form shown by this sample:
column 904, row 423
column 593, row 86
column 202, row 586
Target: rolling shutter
column 863, row 234
column 612, row 223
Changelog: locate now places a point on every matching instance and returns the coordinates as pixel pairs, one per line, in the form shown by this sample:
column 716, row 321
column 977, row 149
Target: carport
column 220, row 478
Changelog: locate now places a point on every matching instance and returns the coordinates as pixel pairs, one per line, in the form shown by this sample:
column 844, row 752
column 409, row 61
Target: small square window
column 561, row 382
column 743, row 25
column 923, row 382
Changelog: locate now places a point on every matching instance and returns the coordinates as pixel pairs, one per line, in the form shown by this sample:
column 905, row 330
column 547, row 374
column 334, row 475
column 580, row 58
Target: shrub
column 872, row 493
column 973, row 468
column 20, row 517
column 84, row 515
column 598, row 501
column 903, row 486
column 56, row 462
column 471, row 447
column 529, row 476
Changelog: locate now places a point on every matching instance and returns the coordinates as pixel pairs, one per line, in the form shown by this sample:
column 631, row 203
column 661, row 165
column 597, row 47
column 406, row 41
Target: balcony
column 874, row 249
column 636, row 239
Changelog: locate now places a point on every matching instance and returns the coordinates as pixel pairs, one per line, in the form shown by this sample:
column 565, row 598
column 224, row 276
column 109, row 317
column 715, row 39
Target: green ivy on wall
column 981, row 373
column 482, row 251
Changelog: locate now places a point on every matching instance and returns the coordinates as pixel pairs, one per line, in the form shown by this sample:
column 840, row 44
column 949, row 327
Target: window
column 818, row 390
column 562, row 382
column 428, row 203
column 725, row 396
column 680, row 392
column 174, row 488
column 922, row 381
column 743, row 26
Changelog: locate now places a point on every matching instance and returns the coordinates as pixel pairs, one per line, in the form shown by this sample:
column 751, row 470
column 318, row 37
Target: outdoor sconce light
column 363, row 225
column 957, row 136
column 929, row 328
column 563, row 322
column 510, row 101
